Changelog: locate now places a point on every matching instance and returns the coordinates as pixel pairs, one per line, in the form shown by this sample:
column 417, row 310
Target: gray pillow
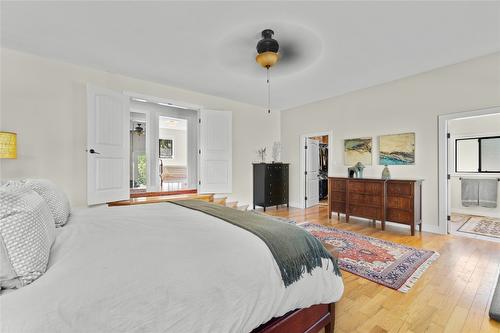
column 27, row 231
column 56, row 199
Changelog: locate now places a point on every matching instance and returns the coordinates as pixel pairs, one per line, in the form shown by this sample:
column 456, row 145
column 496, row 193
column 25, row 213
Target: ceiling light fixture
column 267, row 56
column 139, row 130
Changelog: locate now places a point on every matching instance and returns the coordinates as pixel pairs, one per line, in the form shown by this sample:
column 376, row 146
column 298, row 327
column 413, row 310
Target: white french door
column 108, row 142
column 312, row 172
column 215, row 172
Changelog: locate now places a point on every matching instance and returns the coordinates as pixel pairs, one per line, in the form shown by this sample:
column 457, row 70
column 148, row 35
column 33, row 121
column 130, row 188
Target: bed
column 165, row 268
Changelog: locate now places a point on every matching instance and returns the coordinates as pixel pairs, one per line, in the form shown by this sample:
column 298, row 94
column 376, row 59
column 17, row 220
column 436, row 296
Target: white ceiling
column 210, row 46
column 173, row 123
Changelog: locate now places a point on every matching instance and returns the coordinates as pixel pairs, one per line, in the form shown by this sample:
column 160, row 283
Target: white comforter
column 158, row 268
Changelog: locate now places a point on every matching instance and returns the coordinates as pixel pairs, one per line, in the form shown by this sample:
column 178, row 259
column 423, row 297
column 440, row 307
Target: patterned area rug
column 485, row 226
column 459, row 218
column 393, row 265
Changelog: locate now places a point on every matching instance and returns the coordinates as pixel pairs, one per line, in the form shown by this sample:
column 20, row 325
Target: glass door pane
column 138, row 163
column 173, row 153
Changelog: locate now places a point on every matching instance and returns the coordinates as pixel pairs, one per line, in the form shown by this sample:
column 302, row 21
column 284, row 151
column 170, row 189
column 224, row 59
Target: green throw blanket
column 295, row 250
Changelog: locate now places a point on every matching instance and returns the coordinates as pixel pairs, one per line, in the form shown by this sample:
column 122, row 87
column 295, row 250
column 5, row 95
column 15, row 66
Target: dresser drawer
column 367, row 212
column 375, row 188
column 338, row 196
column 356, row 187
column 404, row 203
column 368, row 199
column 338, row 207
column 398, row 215
column 366, row 187
column 400, row 188
column 338, row 184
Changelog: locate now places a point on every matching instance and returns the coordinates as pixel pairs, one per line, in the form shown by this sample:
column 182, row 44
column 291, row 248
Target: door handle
column 92, row 151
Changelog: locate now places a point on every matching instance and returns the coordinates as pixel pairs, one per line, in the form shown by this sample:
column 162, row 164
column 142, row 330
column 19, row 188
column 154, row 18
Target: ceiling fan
column 267, row 56
column 270, row 52
column 138, row 129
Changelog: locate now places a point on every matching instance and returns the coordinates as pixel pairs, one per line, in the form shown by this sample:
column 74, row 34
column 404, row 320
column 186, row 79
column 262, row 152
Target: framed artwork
column 358, row 150
column 397, row 149
column 166, row 148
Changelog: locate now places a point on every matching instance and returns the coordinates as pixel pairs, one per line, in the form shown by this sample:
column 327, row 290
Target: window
column 478, row 155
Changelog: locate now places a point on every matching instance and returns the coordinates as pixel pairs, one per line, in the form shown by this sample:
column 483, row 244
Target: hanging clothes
column 323, row 171
column 323, row 157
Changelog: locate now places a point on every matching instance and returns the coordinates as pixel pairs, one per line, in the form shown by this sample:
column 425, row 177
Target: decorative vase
column 386, row 174
column 360, row 167
column 262, row 155
column 277, row 152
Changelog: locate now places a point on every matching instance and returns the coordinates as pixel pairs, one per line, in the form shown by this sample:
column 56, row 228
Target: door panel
column 312, row 169
column 215, row 152
column 107, row 146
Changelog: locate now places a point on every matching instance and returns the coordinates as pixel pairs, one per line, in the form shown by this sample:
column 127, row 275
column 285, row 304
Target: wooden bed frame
column 309, row 320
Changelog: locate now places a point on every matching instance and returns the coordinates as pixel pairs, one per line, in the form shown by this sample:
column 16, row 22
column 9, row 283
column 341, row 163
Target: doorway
column 163, row 147
column 123, row 146
column 470, row 191
column 315, row 157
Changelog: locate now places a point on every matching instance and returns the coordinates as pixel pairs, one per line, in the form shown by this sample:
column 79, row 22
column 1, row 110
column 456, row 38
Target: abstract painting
column 358, row 150
column 397, row 149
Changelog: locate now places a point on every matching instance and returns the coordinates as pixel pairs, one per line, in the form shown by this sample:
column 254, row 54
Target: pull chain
column 268, row 92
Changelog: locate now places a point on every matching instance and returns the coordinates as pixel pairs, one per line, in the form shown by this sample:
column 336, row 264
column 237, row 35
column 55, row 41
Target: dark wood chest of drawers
column 396, row 201
column 270, row 184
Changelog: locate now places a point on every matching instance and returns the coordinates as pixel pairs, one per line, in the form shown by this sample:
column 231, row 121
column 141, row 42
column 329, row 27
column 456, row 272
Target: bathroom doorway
column 473, row 175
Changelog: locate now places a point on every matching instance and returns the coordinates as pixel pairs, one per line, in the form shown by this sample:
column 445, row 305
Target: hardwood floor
column 453, row 295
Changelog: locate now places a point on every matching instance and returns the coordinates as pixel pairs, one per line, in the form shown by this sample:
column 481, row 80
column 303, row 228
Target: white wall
column 470, row 127
column 407, row 105
column 179, row 138
column 489, row 124
column 44, row 101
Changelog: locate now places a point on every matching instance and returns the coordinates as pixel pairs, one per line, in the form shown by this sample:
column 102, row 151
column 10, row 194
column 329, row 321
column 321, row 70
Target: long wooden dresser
column 395, row 200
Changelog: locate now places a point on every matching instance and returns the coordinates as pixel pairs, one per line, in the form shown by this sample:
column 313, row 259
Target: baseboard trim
column 431, row 228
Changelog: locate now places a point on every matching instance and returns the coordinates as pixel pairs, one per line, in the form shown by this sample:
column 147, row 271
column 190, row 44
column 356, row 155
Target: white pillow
column 56, row 199
column 27, row 231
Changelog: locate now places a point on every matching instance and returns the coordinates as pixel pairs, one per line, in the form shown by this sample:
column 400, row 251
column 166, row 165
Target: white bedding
column 158, row 268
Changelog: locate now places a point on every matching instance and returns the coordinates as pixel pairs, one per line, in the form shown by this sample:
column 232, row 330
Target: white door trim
column 302, row 164
column 161, row 100
column 443, row 156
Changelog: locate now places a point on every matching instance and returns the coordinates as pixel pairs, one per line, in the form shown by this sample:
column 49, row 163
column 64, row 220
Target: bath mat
column 485, row 226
